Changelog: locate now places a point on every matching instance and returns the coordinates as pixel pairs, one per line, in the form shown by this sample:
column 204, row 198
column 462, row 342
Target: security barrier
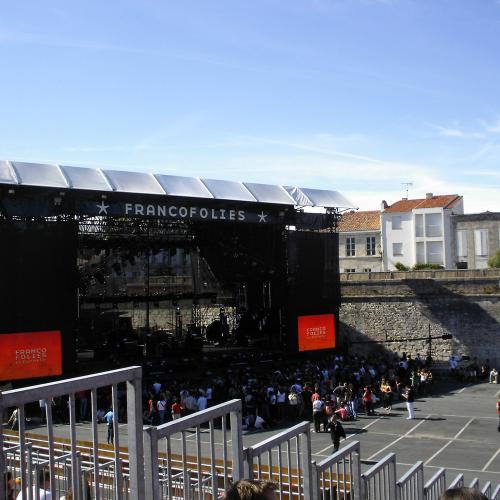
column 19, row 398
column 339, row 476
column 272, row 460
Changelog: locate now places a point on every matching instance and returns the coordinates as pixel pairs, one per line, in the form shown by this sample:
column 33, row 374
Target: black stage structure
column 129, row 264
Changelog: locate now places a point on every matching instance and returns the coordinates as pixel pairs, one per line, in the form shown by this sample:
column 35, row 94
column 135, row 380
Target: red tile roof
column 441, row 201
column 359, row 221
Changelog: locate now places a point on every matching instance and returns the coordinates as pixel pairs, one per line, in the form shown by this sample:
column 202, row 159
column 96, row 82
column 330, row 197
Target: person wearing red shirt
column 176, row 410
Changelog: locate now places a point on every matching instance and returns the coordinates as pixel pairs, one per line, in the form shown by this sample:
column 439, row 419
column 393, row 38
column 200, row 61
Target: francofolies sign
column 178, row 211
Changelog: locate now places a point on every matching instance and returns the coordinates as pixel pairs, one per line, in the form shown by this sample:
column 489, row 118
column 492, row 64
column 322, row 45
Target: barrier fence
column 196, row 457
column 42, row 395
column 284, row 459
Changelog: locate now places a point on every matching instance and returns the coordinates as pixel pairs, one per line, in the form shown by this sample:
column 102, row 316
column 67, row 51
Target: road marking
column 468, row 416
column 350, row 435
column 399, row 438
column 454, row 438
column 451, row 468
column 490, row 461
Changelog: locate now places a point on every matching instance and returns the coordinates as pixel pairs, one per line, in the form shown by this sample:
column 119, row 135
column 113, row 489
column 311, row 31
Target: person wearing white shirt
column 44, row 486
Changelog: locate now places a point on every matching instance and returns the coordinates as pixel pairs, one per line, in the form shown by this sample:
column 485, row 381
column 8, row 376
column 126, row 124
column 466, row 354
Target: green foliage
column 419, row 267
column 401, row 267
column 495, row 260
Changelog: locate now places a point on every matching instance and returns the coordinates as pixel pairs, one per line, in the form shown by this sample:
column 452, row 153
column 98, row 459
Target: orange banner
column 30, row 355
column 316, row 332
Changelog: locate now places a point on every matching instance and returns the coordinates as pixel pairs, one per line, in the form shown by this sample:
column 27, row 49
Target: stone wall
column 403, row 310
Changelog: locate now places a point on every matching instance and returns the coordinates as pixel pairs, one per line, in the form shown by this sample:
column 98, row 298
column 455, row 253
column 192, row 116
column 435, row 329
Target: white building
column 360, row 249
column 419, row 231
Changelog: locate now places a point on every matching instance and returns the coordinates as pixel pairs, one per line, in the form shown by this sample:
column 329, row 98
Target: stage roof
column 94, row 179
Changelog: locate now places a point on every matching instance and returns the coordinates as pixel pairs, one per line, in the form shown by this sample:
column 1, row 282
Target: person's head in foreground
column 463, row 493
column 251, row 489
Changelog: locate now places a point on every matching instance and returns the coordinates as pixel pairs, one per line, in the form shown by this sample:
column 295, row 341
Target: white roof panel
column 323, row 198
column 6, row 173
column 133, row 182
column 176, row 185
column 267, row 193
column 228, row 190
column 299, row 197
column 86, row 178
column 39, row 174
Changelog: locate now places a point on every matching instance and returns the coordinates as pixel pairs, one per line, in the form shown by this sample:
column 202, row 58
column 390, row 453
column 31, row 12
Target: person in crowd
column 463, row 493
column 255, row 489
column 109, row 421
column 161, row 406
column 336, row 432
column 176, row 409
column 317, row 409
column 493, row 376
column 386, row 390
column 368, row 401
column 9, row 485
column 43, row 486
column 202, row 401
column 409, row 395
column 342, row 412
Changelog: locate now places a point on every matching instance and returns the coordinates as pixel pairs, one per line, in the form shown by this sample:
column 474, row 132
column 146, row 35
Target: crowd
column 315, row 390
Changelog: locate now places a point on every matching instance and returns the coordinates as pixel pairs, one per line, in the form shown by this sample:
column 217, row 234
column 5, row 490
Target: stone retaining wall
column 400, row 309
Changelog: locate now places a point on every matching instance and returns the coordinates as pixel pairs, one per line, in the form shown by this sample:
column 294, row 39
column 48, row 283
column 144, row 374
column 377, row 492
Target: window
column 367, row 270
column 370, row 245
column 350, row 247
column 420, row 252
column 396, row 222
column 461, row 245
column 397, row 249
column 419, row 226
column 481, row 242
column 435, row 252
column 433, row 226
column 349, row 270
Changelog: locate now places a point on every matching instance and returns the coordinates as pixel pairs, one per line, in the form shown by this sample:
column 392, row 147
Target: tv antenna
column 406, row 186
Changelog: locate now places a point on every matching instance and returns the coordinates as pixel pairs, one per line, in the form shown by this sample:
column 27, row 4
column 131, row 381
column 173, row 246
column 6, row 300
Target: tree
column 495, row 260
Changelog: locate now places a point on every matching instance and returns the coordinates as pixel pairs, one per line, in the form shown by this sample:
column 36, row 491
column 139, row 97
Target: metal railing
column 285, row 459
column 19, row 398
column 411, row 485
column 436, row 485
column 339, row 476
column 496, row 493
column 193, row 471
column 458, row 482
column 380, row 480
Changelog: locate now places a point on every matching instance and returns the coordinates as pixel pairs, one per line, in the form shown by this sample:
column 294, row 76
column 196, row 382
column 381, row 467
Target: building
column 419, row 231
column 360, row 247
column 477, row 238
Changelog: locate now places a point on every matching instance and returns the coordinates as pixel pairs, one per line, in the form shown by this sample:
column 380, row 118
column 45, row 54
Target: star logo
column 262, row 217
column 103, row 209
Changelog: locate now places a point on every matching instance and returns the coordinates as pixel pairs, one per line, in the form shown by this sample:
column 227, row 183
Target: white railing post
column 236, row 444
column 305, row 440
column 134, row 427
column 151, row 475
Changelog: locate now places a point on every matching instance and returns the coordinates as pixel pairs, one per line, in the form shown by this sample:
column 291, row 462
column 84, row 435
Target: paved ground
column 456, row 429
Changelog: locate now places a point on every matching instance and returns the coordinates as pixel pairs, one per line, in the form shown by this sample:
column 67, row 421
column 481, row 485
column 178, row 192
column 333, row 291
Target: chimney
column 428, row 196
column 384, row 205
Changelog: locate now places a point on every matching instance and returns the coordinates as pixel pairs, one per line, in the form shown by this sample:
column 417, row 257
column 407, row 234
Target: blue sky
column 351, row 95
